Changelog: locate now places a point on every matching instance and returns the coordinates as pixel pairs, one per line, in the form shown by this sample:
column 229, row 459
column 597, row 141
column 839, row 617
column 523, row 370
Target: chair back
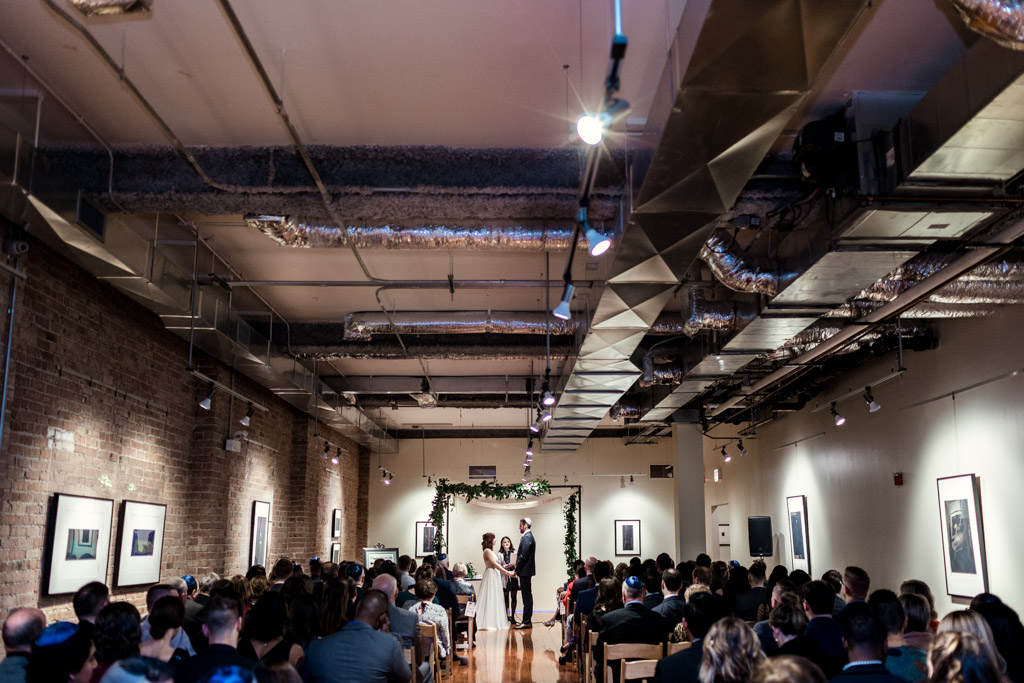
column 639, row 670
column 678, row 647
column 431, row 653
column 619, row 651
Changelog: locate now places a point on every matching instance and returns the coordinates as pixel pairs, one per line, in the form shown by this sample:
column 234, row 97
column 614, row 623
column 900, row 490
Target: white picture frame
column 800, row 543
column 627, row 537
column 963, row 536
column 259, row 535
column 80, row 542
column 141, row 545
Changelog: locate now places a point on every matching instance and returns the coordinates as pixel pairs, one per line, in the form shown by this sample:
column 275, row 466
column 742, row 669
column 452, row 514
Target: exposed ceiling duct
column 659, row 373
column 756, row 61
column 999, row 20
column 716, row 315
column 740, row 271
column 364, row 325
column 111, row 7
column 292, row 232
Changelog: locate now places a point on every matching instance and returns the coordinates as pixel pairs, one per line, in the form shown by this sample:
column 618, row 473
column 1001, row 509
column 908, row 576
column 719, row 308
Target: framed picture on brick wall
column 80, row 542
column 141, row 543
column 259, row 538
column 335, row 553
column 336, row 524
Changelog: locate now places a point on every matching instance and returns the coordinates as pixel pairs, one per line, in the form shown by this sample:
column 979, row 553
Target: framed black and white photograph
column 963, row 536
column 259, row 539
column 627, row 537
column 797, row 507
column 80, row 545
column 336, row 524
column 335, row 553
column 141, row 543
column 424, row 539
column 371, row 555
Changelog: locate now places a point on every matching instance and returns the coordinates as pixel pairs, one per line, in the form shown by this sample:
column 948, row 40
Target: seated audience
column 856, row 584
column 405, row 567
column 819, row 601
column 737, row 585
column 909, row 663
column 672, row 604
column 634, row 623
column 917, row 632
column 652, row 586
column 459, row 584
column 222, row 629
column 263, row 636
column 605, row 597
column 259, row 586
column 88, row 601
column 799, row 578
column 256, row 570
column 969, row 621
column 664, row 561
column 788, row 669
column 334, row 606
column 359, row 651
column 428, row 612
column 698, row 616
column 169, row 587
column 962, row 658
column 748, row 602
column 779, row 572
column 789, row 627
column 730, row 654
column 865, row 639
column 719, row 577
column 62, row 652
column 763, row 629
column 920, row 588
column 835, row 581
column 303, row 621
column 21, row 628
column 165, row 620
column 1007, row 630
column 117, row 635
column 139, row 670
column 283, row 570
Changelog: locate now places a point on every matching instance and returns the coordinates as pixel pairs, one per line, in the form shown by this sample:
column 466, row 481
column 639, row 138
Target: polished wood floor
column 517, row 656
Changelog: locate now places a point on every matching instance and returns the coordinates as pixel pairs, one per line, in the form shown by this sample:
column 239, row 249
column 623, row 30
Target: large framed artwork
column 336, row 523
column 259, row 539
column 80, row 545
column 141, row 543
column 963, row 536
column 797, row 507
column 627, row 537
column 424, row 539
column 371, row 555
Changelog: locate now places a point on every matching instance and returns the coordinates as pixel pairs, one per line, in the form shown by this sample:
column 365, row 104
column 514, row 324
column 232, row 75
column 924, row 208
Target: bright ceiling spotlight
column 547, row 398
column 598, row 243
column 545, row 415
column 529, row 449
column 840, row 420
column 248, row 415
column 726, row 456
column 327, row 450
column 740, row 448
column 869, row 398
column 208, row 401
column 535, row 427
column 590, row 129
column 562, row 310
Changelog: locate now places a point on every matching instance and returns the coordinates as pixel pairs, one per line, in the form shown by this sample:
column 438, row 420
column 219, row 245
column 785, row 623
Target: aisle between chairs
column 516, row 656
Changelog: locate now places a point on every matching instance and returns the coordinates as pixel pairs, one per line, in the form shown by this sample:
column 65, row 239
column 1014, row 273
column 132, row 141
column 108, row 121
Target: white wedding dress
column 490, row 612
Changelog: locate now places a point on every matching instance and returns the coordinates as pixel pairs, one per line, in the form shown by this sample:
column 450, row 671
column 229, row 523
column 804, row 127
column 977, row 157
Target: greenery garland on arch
column 571, row 506
column 444, row 490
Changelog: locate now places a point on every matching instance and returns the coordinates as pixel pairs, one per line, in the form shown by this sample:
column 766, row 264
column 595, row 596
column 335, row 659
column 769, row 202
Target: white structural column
column 689, row 480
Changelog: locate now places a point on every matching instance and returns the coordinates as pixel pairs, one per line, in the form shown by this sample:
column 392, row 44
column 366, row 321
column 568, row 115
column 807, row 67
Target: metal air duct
column 362, row 326
column 715, row 315
column 110, row 7
column 659, row 373
column 1001, row 21
column 740, row 271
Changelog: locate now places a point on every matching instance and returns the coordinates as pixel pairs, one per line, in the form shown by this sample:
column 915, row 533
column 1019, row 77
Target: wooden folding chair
column 673, row 648
column 638, row 670
column 465, row 600
column 431, row 653
column 622, row 651
column 591, row 643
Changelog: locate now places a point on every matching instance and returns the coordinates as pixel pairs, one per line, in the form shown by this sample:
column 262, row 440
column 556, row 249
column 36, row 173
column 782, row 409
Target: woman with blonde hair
column 969, row 621
column 961, row 657
column 732, row 652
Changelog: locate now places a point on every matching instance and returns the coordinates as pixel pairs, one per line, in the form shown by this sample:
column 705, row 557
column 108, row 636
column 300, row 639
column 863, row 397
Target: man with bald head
column 359, row 651
column 22, row 627
column 403, row 623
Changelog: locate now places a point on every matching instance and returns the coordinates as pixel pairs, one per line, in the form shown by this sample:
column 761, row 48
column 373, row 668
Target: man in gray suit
column 359, row 652
column 404, row 624
column 23, row 625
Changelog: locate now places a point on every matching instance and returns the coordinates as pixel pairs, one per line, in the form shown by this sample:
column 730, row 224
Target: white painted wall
column 856, row 515
column 597, row 467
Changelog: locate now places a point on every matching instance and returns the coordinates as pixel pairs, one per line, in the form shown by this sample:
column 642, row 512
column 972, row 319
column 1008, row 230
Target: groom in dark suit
column 525, row 569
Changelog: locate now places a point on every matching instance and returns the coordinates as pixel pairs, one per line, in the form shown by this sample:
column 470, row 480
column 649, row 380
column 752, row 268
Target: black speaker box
column 759, row 531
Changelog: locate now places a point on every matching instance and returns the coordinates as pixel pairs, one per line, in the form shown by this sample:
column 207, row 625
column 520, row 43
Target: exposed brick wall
column 102, row 371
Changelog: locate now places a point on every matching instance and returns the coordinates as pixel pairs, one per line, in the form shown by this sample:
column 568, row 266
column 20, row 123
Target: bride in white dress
column 490, row 613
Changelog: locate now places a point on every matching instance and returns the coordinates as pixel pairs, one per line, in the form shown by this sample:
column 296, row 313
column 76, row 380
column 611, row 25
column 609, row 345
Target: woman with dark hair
column 303, row 621
column 244, row 589
column 509, row 584
column 609, row 598
column 1007, row 631
column 263, row 637
column 165, row 620
column 62, row 652
column 117, row 635
column 427, row 612
column 334, row 606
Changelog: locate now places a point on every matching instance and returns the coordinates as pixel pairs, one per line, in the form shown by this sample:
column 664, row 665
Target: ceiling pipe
column 417, row 284
column 1001, row 21
column 741, row 272
column 908, row 299
column 363, row 326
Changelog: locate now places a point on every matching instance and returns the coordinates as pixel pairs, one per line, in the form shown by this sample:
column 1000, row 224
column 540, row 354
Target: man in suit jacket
column 223, row 624
column 22, row 627
column 698, row 616
column 359, row 651
column 526, row 568
column 585, row 583
column 747, row 603
column 819, row 599
column 672, row 604
column 403, row 623
column 634, row 623
column 865, row 644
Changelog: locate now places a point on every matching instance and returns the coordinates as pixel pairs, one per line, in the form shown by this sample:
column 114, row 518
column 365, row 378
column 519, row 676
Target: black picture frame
column 423, row 538
column 627, row 537
column 336, row 523
column 963, row 535
column 259, row 533
column 133, row 566
column 78, row 547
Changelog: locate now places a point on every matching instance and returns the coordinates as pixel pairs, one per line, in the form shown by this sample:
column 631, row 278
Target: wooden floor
column 517, row 656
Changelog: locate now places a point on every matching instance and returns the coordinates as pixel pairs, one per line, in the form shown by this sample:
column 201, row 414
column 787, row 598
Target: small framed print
column 336, row 524
column 627, row 537
column 141, row 544
column 259, row 539
column 371, row 555
column 963, row 536
column 424, row 539
column 80, row 543
column 335, row 553
column 797, row 507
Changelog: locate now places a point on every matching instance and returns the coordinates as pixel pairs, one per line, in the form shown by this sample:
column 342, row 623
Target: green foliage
column 571, row 506
column 445, row 489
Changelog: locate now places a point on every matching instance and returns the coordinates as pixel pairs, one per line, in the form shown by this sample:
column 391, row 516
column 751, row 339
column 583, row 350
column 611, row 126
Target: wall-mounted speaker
column 759, row 532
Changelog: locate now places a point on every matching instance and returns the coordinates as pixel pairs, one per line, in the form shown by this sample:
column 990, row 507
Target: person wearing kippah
column 634, row 623
column 62, row 652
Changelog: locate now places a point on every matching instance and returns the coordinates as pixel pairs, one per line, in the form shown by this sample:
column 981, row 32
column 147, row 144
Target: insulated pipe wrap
column 362, row 326
column 999, row 20
column 741, row 272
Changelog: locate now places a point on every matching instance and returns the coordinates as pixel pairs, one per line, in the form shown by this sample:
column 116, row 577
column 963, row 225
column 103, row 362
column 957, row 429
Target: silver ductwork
column 1000, row 282
column 110, row 7
column 624, row 410
column 999, row 20
column 659, row 374
column 721, row 316
column 290, row 231
column 363, row 326
column 740, row 271
column 426, row 399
